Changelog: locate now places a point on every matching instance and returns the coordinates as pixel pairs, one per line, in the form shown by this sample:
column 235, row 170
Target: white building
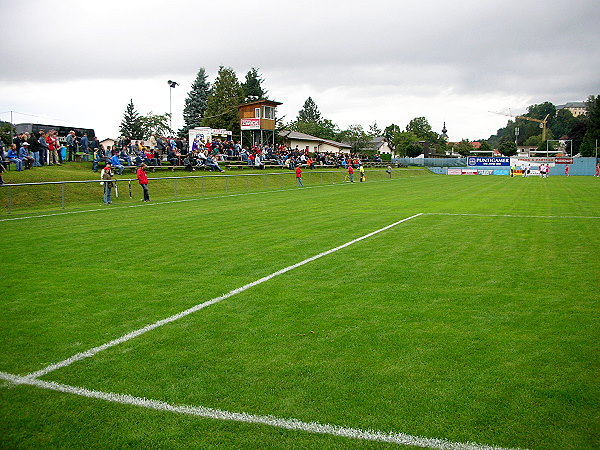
column 302, row 141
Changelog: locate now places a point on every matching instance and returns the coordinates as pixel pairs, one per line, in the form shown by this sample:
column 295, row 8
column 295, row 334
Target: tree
column 309, row 112
column 420, row 127
column 310, row 121
column 355, row 136
column 464, row 148
column 196, row 102
column 155, row 124
column 223, row 101
column 390, row 131
column 252, row 88
column 564, row 123
column 131, row 125
column 374, row 130
column 507, row 147
column 588, row 146
column 5, row 132
column 485, row 146
column 407, row 144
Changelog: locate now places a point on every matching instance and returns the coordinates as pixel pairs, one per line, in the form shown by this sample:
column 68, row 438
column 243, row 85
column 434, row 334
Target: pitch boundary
column 287, row 423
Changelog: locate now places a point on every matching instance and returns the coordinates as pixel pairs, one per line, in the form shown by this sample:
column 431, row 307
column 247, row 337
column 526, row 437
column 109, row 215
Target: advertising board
column 250, row 124
column 488, row 161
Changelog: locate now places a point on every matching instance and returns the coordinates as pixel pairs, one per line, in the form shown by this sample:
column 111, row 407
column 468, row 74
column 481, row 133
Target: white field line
column 136, row 333
column 167, row 202
column 510, row 215
column 211, row 413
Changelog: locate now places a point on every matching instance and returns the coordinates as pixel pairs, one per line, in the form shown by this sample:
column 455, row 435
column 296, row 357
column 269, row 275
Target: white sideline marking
column 136, row 333
column 511, row 215
column 211, row 413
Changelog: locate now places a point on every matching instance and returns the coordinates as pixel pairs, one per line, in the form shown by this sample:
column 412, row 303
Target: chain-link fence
column 47, row 196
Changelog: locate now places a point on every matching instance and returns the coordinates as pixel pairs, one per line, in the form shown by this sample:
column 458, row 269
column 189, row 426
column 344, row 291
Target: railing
column 53, row 195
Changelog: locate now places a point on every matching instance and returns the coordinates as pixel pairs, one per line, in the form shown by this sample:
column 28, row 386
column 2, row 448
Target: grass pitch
column 474, row 322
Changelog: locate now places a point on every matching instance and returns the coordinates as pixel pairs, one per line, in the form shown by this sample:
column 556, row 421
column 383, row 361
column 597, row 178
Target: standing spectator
column 361, row 169
column 98, row 157
column 299, row 176
column 143, row 179
column 389, row 171
column 153, row 142
column 106, row 176
column 13, row 157
column 42, row 148
column 351, row 173
column 53, row 145
column 85, row 143
column 34, row 148
column 17, row 141
column 71, row 141
column 94, row 145
column 160, row 145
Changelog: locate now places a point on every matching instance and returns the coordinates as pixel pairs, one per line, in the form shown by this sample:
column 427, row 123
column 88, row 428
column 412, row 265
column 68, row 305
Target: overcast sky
column 77, row 63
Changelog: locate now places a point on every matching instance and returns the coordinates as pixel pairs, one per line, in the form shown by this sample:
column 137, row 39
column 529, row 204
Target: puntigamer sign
column 488, row 162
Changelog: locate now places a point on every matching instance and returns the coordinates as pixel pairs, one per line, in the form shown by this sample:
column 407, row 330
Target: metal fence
column 431, row 162
column 47, row 196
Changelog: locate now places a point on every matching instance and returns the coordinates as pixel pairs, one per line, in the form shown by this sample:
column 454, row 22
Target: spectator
column 71, row 141
column 52, row 142
column 98, row 157
column 42, row 147
column 107, row 176
column 25, row 156
column 13, row 157
column 212, row 164
column 143, row 179
column 94, row 145
column 85, row 143
column 115, row 162
column 299, row 176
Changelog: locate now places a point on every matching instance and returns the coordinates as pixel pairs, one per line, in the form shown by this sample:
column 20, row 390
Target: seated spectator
column 173, row 157
column 13, row 157
column 24, row 155
column 257, row 161
column 211, row 164
column 150, row 159
column 125, row 157
column 115, row 162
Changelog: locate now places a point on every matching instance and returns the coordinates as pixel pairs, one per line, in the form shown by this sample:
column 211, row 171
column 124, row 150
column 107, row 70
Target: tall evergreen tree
column 309, row 113
column 196, row 102
column 252, row 88
column 131, row 125
column 222, row 104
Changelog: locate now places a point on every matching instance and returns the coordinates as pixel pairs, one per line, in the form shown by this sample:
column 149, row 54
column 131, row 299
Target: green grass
column 466, row 328
column 168, row 185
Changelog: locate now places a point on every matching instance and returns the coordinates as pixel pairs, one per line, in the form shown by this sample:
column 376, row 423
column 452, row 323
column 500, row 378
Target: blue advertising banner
column 488, row 161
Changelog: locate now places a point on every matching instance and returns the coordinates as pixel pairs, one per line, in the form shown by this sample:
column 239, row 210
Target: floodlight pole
column 172, row 85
